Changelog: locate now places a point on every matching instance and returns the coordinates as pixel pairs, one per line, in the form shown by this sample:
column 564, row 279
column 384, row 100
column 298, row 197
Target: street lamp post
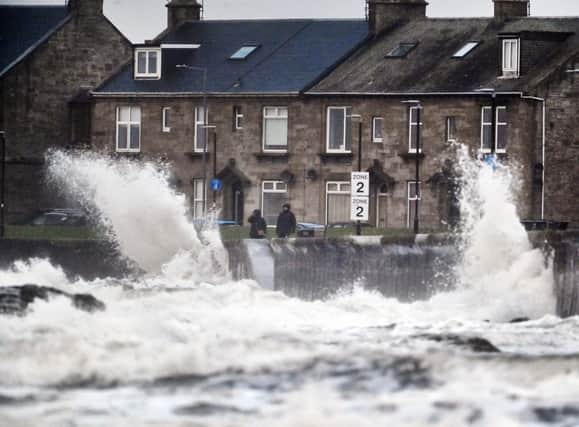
column 359, row 119
column 205, row 120
column 2, row 181
column 418, row 106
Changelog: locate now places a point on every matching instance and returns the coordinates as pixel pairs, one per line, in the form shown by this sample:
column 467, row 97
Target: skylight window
column 243, row 52
column 401, row 50
column 465, row 50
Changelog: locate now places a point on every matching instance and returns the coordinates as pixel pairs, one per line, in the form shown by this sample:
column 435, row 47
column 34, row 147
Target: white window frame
column 129, row 123
column 343, row 149
column 165, row 124
column 196, row 183
column 238, row 117
column 500, row 124
column 279, row 115
column 496, row 130
column 413, row 125
column 329, row 192
column 451, row 120
column 411, row 200
column 511, row 61
column 147, row 75
column 279, row 187
column 375, row 138
column 380, row 194
column 200, row 120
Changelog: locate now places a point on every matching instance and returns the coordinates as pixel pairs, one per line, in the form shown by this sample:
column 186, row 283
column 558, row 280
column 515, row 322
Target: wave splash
column 148, row 220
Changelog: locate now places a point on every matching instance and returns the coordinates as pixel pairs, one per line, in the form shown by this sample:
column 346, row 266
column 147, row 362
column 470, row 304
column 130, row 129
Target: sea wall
column 87, row 259
column 405, row 268
column 408, row 269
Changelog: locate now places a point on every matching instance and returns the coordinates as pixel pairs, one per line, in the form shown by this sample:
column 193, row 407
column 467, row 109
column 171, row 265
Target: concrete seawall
column 405, row 268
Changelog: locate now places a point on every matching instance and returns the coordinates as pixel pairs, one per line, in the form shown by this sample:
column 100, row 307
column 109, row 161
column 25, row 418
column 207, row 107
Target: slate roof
column 430, row 68
column 292, row 55
column 23, row 28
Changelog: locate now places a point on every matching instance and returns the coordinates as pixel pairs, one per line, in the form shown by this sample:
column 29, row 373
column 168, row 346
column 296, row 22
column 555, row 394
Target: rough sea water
column 186, row 346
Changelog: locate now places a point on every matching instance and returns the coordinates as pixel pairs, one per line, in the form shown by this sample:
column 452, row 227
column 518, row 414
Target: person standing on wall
column 258, row 228
column 286, row 222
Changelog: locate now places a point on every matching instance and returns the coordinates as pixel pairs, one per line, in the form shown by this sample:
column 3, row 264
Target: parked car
column 69, row 217
column 306, row 229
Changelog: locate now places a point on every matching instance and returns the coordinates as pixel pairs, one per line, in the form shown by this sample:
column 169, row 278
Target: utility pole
column 2, row 181
column 418, row 107
column 358, row 224
column 416, row 202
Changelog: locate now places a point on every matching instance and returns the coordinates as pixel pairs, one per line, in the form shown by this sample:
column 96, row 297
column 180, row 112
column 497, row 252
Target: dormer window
column 148, row 63
column 511, row 57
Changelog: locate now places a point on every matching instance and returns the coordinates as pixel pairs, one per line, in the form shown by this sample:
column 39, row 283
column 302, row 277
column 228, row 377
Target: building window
column 339, row 130
column 414, row 193
column 237, row 118
column 413, row 129
column 198, row 198
column 166, row 119
column 451, row 129
column 511, row 57
column 337, row 202
column 128, row 129
column 243, row 52
column 465, row 49
column 401, row 50
column 273, row 195
column 148, row 63
column 378, row 129
column 200, row 129
column 500, row 129
column 275, row 128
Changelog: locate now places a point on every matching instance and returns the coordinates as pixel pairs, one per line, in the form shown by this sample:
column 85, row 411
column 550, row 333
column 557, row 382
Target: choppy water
column 186, row 346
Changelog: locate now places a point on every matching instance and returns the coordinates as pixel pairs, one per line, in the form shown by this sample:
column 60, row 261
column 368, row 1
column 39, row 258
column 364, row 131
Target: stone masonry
column 35, row 95
column 306, row 148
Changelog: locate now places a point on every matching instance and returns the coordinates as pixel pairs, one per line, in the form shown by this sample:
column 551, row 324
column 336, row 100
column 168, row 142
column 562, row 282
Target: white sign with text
column 360, row 208
column 360, row 184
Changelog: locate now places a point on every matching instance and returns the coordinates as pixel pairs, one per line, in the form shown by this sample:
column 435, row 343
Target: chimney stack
column 180, row 11
column 85, row 7
column 511, row 8
column 382, row 13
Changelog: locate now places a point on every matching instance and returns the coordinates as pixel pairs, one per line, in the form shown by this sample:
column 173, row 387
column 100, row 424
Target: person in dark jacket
column 258, row 228
column 286, row 222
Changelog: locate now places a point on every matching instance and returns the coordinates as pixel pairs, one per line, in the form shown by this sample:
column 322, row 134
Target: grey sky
column 142, row 19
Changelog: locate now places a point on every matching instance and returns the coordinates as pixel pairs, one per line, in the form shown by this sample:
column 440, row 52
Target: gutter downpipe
column 544, row 136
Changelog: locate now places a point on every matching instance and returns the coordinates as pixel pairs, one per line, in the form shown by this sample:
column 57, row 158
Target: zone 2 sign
column 360, row 204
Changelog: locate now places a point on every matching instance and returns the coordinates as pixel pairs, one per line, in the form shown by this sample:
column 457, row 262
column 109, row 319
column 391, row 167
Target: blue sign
column 216, row 184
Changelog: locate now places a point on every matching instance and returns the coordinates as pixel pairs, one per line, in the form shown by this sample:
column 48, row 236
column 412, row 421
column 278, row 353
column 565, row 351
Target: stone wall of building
column 35, row 97
column 562, row 144
column 306, row 160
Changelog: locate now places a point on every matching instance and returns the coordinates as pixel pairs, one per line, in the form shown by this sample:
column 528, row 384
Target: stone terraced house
column 271, row 108
column 50, row 58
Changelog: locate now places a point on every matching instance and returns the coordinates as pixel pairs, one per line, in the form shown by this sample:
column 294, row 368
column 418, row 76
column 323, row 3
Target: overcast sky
column 144, row 19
